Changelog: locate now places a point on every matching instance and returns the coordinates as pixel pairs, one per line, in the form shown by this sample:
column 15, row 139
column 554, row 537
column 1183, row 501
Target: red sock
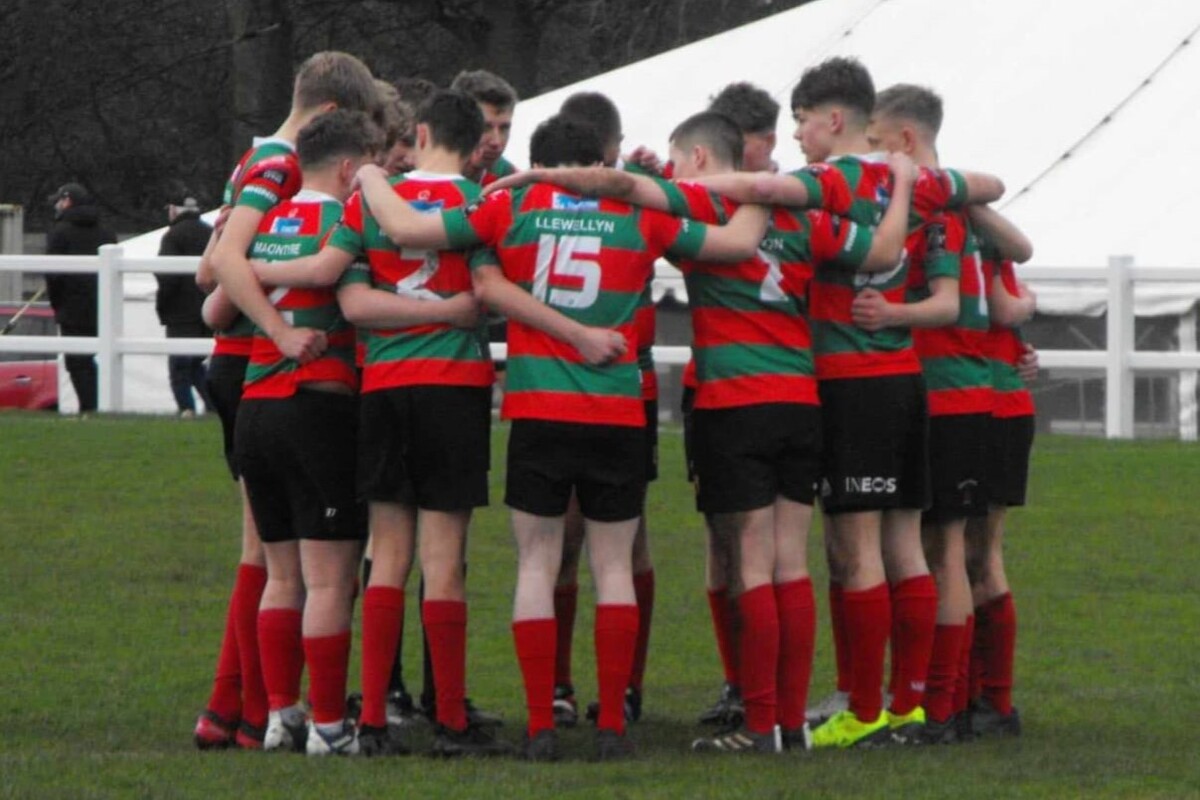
column 914, row 616
column 962, row 679
column 1001, row 640
column 565, row 599
column 446, row 629
column 841, row 648
column 759, row 656
column 643, row 590
column 948, row 644
column 978, row 647
column 247, row 594
column 328, row 659
column 616, row 637
column 724, row 627
column 225, row 700
column 281, row 654
column 868, row 616
column 536, row 641
column 382, row 626
column 797, row 638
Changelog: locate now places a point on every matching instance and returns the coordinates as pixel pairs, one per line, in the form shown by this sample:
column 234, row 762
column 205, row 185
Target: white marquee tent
column 1089, row 112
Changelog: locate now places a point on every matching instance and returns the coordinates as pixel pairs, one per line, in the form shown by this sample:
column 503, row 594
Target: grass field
column 118, row 539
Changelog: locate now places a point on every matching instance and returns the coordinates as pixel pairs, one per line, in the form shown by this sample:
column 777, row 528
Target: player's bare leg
column 643, row 589
column 946, row 551
column 329, row 569
column 719, row 580
column 566, row 599
column 995, row 637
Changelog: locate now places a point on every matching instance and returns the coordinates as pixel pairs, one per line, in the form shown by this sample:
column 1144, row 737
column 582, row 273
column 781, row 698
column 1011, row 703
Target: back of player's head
column 916, row 104
column 750, row 108
column 716, row 132
column 562, row 141
column 486, row 87
column 840, row 81
column 597, row 110
column 414, row 91
column 335, row 77
column 336, row 135
column 454, row 121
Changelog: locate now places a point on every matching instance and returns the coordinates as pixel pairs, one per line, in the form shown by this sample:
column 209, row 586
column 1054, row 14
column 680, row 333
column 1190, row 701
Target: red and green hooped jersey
column 859, row 187
column 295, row 228
column 501, row 169
column 647, row 330
column 750, row 338
column 953, row 358
column 267, row 174
column 1005, row 348
column 420, row 355
column 590, row 260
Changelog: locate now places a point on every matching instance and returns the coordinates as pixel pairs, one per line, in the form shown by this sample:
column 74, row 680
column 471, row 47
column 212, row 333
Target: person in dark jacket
column 77, row 231
column 179, row 300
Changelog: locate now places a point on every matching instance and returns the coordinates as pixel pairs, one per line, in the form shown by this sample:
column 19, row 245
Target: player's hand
column 301, row 344
column 600, row 346
column 902, row 166
column 645, row 158
column 1027, row 367
column 870, row 310
column 463, row 310
column 516, row 180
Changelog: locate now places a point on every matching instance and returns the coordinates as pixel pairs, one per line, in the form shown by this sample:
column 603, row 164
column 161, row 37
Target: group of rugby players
column 853, row 339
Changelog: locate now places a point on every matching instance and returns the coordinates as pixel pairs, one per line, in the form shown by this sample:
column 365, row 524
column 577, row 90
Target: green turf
column 119, row 540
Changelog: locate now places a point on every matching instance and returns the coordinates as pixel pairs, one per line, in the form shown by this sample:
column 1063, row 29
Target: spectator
column 77, row 231
column 178, row 303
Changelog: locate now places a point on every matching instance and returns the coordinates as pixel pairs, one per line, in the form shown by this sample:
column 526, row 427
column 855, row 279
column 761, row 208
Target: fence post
column 1118, row 390
column 109, row 317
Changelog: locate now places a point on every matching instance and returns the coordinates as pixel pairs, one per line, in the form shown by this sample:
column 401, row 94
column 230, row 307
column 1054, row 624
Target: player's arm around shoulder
column 402, row 223
column 368, row 307
column 322, row 268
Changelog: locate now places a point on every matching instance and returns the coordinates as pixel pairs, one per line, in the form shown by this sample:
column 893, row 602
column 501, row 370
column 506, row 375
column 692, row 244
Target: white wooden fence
column 111, row 345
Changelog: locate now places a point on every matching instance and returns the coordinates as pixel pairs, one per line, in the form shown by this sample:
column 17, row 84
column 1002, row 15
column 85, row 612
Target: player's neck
column 290, row 129
column 325, row 181
column 924, row 156
column 440, row 161
column 851, row 144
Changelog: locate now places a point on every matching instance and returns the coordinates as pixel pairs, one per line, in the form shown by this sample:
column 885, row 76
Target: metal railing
column 1118, row 362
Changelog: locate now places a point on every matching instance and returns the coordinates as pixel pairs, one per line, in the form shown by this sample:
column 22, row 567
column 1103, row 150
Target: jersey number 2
column 567, row 257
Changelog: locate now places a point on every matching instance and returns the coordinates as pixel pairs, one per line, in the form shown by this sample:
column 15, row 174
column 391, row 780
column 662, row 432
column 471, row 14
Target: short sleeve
column 695, row 202
column 827, row 188
column 481, row 222
column 267, row 183
column 359, row 272
column 676, row 236
column 482, row 257
column 838, row 240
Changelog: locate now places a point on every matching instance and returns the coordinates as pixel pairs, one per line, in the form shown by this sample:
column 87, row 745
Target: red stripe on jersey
column 732, row 392
column 720, row 326
column 829, row 302
column 950, row 341
column 649, row 384
column 690, row 379
column 1013, row 404
column 573, row 407
column 232, row 345
column 284, row 384
column 949, row 402
column 867, row 365
column 526, row 341
column 425, row 371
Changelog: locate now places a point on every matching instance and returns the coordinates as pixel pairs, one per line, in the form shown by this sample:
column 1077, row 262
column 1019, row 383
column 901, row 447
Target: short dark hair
column 562, row 141
column 454, row 119
column 486, row 87
column 917, row 104
column 840, row 80
column 414, row 91
column 750, row 108
column 340, row 133
column 715, row 131
column 332, row 76
column 597, row 110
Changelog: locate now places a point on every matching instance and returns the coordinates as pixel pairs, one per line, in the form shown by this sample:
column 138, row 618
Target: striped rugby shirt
column 589, row 259
column 295, row 228
column 1005, row 348
column 421, row 355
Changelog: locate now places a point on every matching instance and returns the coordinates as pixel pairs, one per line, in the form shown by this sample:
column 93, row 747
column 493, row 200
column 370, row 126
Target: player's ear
column 699, row 156
column 836, row 120
column 422, row 135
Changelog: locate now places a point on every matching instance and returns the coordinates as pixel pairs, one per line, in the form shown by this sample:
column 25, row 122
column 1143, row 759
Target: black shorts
column 651, row 440
column 746, row 457
column 604, row 464
column 687, row 405
column 225, row 377
column 297, row 458
column 1010, row 443
column 426, row 446
column 876, row 440
column 958, row 460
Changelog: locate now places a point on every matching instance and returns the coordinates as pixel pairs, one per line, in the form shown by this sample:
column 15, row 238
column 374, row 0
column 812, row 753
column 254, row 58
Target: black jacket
column 77, row 232
column 179, row 300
